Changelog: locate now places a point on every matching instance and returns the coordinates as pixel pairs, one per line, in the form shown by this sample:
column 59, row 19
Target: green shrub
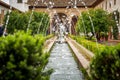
column 90, row 45
column 49, row 36
column 106, row 65
column 19, row 21
column 22, row 58
column 115, row 26
column 101, row 20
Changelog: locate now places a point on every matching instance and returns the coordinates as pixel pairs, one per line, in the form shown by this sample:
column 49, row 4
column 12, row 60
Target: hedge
column 105, row 65
column 90, row 45
column 22, row 58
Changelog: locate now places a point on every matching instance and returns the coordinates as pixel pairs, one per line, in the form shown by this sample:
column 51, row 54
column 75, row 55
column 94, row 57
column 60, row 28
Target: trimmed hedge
column 105, row 65
column 49, row 36
column 90, row 45
column 22, row 58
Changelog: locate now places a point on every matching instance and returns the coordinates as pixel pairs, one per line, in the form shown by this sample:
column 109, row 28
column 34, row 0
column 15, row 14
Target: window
column 19, row 1
column 114, row 2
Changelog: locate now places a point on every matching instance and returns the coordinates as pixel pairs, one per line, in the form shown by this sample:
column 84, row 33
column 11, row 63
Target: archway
column 73, row 24
column 60, row 18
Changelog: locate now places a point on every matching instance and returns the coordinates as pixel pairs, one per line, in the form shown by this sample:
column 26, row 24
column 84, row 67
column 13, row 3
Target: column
column 51, row 25
column 70, row 26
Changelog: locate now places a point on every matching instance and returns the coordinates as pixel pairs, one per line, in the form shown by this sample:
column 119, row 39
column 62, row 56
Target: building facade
column 3, row 10
column 20, row 5
column 113, row 7
column 110, row 5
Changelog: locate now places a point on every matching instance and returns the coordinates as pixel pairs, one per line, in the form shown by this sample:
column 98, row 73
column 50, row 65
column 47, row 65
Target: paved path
column 63, row 63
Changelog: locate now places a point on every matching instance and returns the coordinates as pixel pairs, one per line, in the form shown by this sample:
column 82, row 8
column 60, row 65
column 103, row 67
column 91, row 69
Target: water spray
column 93, row 28
column 35, row 3
column 7, row 21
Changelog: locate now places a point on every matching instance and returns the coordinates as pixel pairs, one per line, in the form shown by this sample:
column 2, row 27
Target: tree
column 101, row 21
column 19, row 21
column 115, row 16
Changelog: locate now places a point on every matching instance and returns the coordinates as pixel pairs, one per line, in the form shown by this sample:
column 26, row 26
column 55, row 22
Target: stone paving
column 63, row 63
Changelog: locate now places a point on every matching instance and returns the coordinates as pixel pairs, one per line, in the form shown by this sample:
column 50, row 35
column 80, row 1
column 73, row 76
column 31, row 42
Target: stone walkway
column 63, row 63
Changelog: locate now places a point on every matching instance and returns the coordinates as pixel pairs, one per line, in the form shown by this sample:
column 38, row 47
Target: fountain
column 35, row 3
column 61, row 33
column 61, row 59
column 92, row 25
column 116, row 18
column 49, row 6
column 7, row 21
column 63, row 63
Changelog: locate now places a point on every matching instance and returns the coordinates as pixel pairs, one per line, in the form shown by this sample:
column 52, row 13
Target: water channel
column 63, row 63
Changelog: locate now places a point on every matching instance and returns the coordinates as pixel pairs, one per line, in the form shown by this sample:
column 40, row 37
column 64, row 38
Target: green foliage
column 19, row 21
column 90, row 45
column 106, row 65
column 115, row 16
column 49, row 36
column 101, row 21
column 22, row 58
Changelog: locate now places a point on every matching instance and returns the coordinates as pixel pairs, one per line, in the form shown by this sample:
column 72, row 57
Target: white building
column 111, row 6
column 3, row 10
column 3, row 7
column 20, row 4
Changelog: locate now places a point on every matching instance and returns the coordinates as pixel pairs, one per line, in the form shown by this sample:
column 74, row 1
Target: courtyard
column 59, row 40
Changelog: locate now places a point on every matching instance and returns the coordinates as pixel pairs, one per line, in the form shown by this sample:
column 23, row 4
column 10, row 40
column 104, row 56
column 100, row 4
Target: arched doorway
column 60, row 18
column 73, row 24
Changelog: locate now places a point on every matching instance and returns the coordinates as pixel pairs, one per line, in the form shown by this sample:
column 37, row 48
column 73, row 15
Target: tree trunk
column 98, row 36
